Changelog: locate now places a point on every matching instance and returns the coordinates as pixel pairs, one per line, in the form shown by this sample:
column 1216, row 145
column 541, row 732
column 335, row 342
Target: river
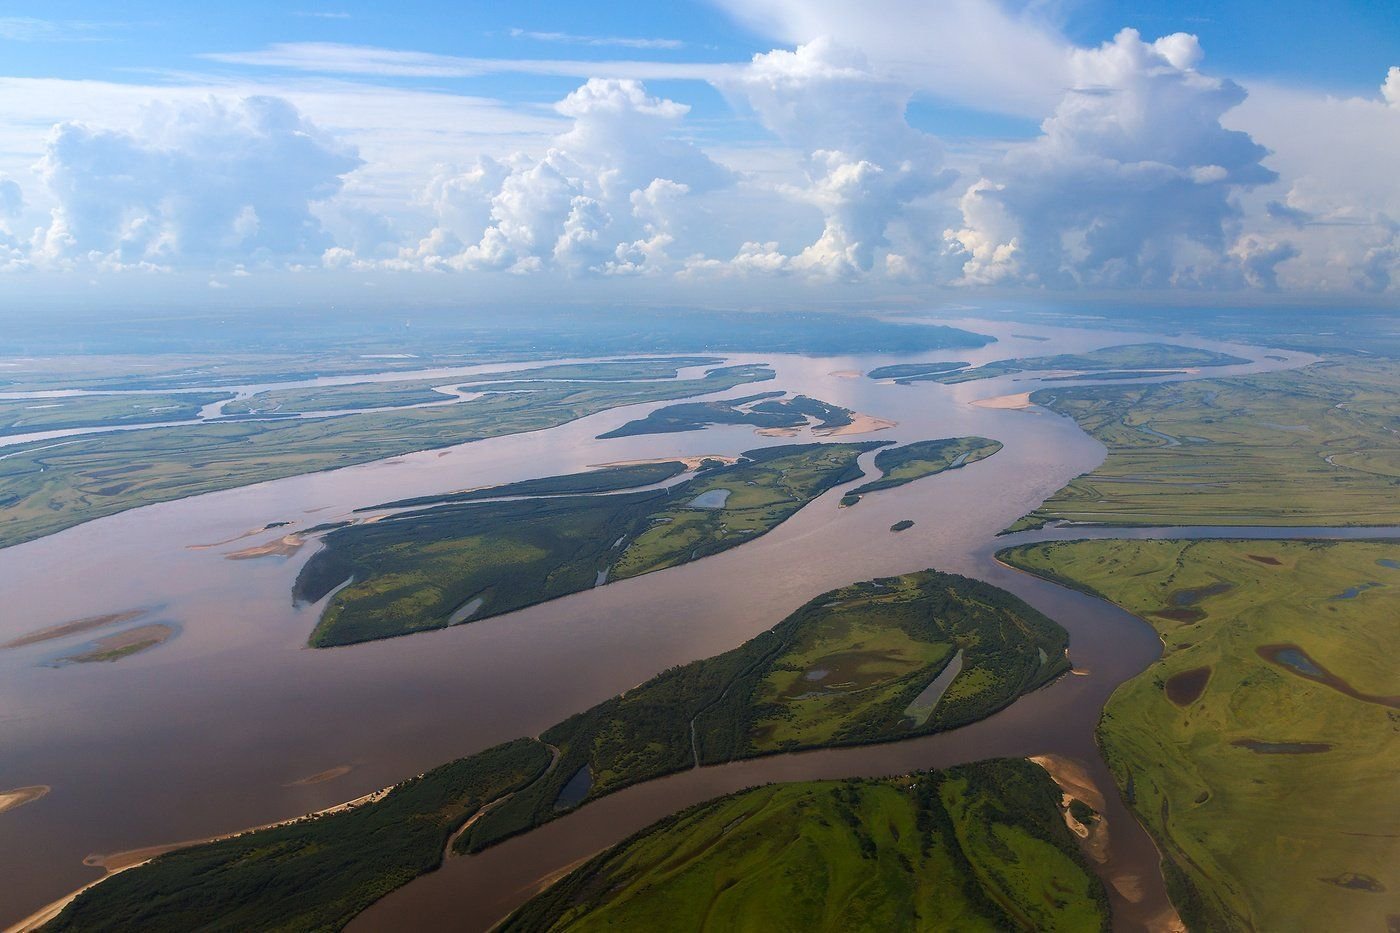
column 217, row 728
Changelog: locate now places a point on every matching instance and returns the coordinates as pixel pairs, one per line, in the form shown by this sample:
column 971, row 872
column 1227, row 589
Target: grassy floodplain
column 977, row 847
column 48, row 486
column 888, row 638
column 1314, row 446
column 419, row 391
column 1108, row 359
column 33, row 415
column 417, row 570
column 1261, row 750
column 900, row 465
column 765, row 411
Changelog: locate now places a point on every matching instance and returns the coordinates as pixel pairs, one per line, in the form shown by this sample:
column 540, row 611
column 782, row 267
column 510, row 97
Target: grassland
column 903, row 373
column 1108, row 359
column 900, row 465
column 415, row 570
column 765, row 411
column 895, row 635
column 33, row 415
column 976, row 847
column 419, row 391
column 1261, row 750
column 606, row 479
column 1314, row 446
column 312, row 874
column 48, row 486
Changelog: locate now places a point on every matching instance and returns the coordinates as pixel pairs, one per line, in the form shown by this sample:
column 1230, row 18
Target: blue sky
column 940, row 148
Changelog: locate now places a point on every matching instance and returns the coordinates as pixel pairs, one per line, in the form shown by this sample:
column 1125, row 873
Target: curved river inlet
column 221, row 726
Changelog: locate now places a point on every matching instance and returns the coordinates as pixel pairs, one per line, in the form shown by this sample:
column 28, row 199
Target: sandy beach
column 860, row 424
column 19, row 796
column 1018, row 400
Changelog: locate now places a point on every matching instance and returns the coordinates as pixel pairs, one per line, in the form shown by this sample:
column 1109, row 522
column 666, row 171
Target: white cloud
column 619, row 41
column 196, row 184
column 1390, row 90
column 1131, row 183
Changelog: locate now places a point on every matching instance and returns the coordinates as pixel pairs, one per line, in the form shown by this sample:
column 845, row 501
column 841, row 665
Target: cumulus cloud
column 195, row 184
column 1130, row 184
column 605, row 198
column 864, row 163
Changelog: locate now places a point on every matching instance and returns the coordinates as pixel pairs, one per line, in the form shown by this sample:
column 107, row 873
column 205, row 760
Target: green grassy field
column 313, row 874
column 605, row 479
column 316, row 874
column 764, row 411
column 418, row 391
column 48, row 486
column 976, row 847
column 413, row 571
column 904, row 372
column 32, row 415
column 900, row 465
column 1261, row 750
column 1107, row 359
column 1315, row 446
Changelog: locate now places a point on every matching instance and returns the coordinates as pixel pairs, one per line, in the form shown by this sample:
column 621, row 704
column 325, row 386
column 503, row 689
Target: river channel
column 220, row 727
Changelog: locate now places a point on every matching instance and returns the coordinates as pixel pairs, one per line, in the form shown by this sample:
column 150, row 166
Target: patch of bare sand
column 120, row 645
column 285, row 546
column 778, row 432
column 204, row 547
column 75, row 627
column 846, row 374
column 860, row 424
column 1018, row 400
column 321, row 777
column 19, row 796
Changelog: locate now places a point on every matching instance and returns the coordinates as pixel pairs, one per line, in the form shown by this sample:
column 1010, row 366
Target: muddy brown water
column 212, row 731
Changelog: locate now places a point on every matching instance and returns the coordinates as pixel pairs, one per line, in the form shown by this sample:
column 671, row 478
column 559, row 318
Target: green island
column 1312, row 446
column 604, row 479
column 34, row 415
column 903, row 524
column 51, row 485
column 864, row 663
column 904, row 373
column 431, row 568
column 1154, row 356
column 1260, row 750
column 767, row 411
column 975, row 847
column 900, row 465
column 419, row 391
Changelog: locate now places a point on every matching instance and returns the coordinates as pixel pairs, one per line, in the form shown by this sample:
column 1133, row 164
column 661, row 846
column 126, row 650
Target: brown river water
column 218, row 728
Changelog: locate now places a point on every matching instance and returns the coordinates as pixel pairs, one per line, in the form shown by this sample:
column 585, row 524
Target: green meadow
column 765, row 411
column 33, row 415
column 1261, row 750
column 1314, row 446
column 1106, row 359
column 976, row 847
column 431, row 568
column 47, row 486
column 900, row 465
column 893, row 637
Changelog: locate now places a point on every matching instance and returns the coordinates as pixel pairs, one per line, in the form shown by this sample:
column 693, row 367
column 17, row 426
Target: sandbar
column 75, row 627
column 691, row 463
column 19, row 796
column 123, row 644
column 321, row 777
column 860, row 424
column 1017, row 401
column 846, row 374
column 285, row 546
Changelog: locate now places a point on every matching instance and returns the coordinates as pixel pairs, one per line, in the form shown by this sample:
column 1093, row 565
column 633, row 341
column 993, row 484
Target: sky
column 726, row 152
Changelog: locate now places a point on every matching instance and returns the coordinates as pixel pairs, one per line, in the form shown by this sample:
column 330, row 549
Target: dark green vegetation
column 1109, row 359
column 887, row 639
column 419, row 391
column 842, row 670
column 312, row 874
column 905, row 373
column 766, row 411
column 606, row 479
column 33, row 415
column 97, row 349
column 903, row 524
column 432, row 568
column 976, row 847
column 48, row 486
column 1314, row 446
column 900, row 465
column 1261, row 750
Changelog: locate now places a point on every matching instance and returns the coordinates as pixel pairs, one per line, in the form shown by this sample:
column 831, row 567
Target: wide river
column 219, row 727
